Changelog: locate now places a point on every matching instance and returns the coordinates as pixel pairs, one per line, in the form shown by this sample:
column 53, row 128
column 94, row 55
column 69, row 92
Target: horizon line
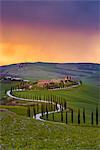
column 50, row 63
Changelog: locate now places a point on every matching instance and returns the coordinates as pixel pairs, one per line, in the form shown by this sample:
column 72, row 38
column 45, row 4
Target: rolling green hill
column 21, row 132
column 88, row 72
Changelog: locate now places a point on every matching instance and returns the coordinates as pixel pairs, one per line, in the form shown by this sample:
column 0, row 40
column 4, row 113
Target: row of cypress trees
column 44, row 111
column 62, row 102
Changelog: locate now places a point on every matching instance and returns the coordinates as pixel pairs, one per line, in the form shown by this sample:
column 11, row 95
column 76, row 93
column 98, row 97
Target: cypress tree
column 42, row 110
column 5, row 91
column 34, row 111
column 46, row 112
column 62, row 116
column 66, row 118
column 78, row 116
column 84, row 115
column 97, row 115
column 92, row 118
column 11, row 91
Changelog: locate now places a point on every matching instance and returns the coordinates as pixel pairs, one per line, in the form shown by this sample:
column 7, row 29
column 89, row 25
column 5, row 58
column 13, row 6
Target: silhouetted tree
column 92, row 118
column 62, row 116
column 34, row 111
column 97, row 115
column 46, row 112
column 42, row 110
column 11, row 91
column 78, row 116
column 83, row 115
column 66, row 118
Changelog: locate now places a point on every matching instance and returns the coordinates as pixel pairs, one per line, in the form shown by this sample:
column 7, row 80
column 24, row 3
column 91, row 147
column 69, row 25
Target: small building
column 43, row 83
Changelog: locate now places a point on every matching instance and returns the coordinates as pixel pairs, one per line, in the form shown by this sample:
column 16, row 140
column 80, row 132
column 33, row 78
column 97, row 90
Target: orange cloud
column 24, row 43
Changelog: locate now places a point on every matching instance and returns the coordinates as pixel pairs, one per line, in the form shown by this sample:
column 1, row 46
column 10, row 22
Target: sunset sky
column 55, row 31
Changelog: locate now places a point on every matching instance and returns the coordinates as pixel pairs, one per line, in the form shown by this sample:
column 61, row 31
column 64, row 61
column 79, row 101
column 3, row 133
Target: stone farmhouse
column 44, row 83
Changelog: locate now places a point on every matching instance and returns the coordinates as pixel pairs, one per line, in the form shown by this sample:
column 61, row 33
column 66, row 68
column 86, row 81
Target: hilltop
column 41, row 70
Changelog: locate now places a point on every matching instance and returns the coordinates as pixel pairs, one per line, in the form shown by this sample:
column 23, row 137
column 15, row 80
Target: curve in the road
column 39, row 115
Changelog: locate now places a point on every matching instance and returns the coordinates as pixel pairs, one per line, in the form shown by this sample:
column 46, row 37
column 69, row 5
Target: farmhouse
column 45, row 83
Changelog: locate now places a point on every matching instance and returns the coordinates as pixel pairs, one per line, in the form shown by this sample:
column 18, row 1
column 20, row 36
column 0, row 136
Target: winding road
column 39, row 115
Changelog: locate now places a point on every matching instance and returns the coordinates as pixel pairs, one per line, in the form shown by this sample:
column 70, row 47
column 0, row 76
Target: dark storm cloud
column 75, row 14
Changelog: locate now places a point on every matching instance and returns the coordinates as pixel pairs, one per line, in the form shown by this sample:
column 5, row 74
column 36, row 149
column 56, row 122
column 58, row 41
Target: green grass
column 57, row 117
column 6, row 85
column 23, row 133
column 22, row 110
column 79, row 96
column 85, row 96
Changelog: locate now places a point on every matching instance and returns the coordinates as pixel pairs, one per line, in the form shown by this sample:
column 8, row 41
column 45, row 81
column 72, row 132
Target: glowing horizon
column 41, row 37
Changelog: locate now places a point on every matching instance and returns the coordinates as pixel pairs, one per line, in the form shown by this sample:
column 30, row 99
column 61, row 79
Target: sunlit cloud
column 49, row 33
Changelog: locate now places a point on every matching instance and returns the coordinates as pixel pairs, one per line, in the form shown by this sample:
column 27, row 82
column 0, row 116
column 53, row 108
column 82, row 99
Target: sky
column 49, row 31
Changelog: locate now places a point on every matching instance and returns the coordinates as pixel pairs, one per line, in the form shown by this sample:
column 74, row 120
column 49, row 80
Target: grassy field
column 22, row 109
column 85, row 96
column 23, row 133
column 20, row 132
column 6, row 85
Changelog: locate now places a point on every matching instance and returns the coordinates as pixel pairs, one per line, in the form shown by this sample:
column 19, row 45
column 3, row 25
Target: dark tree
column 11, row 91
column 42, row 110
column 34, row 111
column 78, row 116
column 66, row 118
column 62, row 116
column 46, row 112
column 97, row 115
column 84, row 115
column 92, row 118
column 5, row 91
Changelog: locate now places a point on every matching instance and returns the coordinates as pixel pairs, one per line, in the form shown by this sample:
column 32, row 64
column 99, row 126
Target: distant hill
column 40, row 70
